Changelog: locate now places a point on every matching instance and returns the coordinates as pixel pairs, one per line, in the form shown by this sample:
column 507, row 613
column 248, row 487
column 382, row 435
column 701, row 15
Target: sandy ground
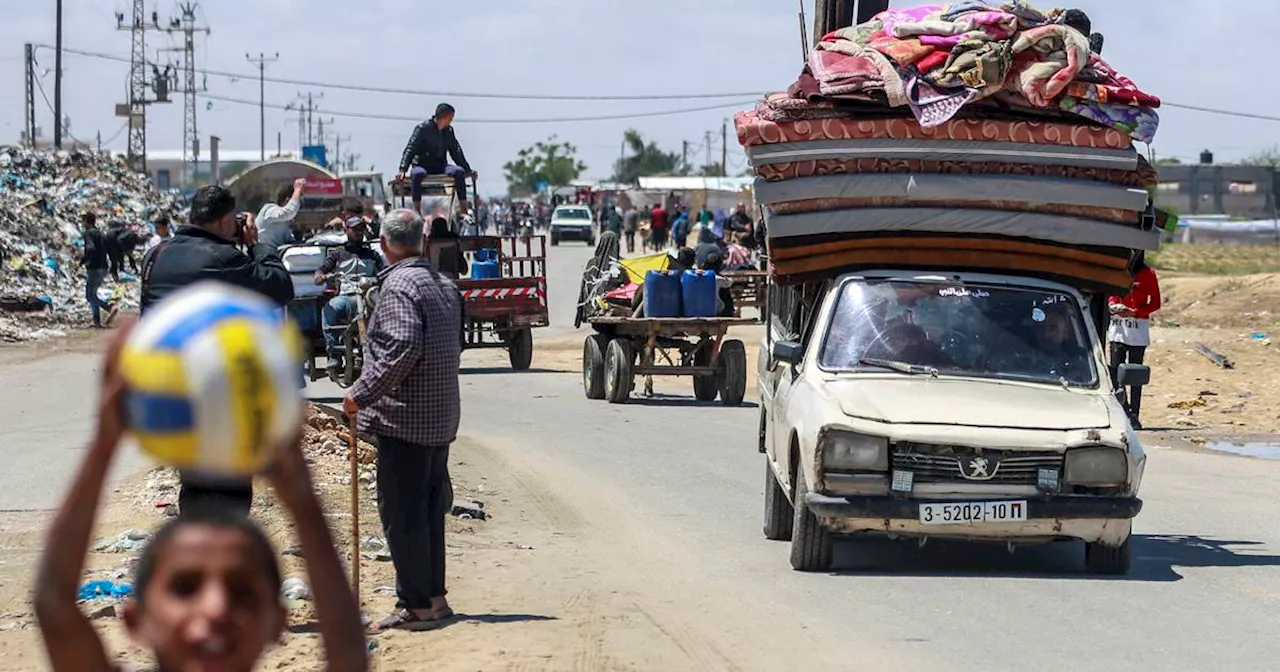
column 548, row 541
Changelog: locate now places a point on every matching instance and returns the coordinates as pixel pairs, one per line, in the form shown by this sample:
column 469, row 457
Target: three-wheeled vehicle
column 307, row 306
column 503, row 311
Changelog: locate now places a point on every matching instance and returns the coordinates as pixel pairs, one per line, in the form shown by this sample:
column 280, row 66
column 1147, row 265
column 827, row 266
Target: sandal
column 407, row 620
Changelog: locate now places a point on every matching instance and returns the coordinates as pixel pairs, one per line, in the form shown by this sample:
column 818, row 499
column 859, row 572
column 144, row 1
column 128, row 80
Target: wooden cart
column 748, row 290
column 625, row 348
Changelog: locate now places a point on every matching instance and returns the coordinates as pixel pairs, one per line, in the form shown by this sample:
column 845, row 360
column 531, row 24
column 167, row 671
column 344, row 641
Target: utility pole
column 707, row 139
column 261, row 61
column 30, row 112
column 684, row 157
column 136, row 108
column 724, row 148
column 57, row 83
column 186, row 25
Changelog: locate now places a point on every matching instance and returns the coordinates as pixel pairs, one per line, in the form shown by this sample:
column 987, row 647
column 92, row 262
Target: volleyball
column 212, row 380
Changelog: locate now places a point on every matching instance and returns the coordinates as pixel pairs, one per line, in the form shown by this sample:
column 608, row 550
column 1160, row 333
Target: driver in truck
column 356, row 259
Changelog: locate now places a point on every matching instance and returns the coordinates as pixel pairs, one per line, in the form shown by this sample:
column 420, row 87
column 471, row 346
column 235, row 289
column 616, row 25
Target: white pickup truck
column 948, row 405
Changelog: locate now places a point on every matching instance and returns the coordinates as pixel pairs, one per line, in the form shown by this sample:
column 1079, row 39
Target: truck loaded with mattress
column 949, row 194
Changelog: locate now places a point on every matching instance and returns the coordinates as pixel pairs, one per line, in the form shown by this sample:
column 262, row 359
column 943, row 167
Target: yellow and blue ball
column 212, row 376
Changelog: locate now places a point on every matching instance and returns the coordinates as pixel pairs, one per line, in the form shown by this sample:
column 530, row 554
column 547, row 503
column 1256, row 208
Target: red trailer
column 503, row 312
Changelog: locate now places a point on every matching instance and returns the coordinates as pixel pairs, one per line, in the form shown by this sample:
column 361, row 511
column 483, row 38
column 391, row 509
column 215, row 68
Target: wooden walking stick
column 355, row 507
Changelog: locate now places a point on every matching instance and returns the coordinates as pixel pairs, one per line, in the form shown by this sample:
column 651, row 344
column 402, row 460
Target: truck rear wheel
column 619, row 371
column 1109, row 560
column 733, row 372
column 778, row 515
column 520, row 349
column 811, row 544
column 593, row 365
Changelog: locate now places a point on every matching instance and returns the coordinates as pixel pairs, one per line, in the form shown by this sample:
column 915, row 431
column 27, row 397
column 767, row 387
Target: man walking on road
column 208, row 249
column 408, row 398
column 630, row 222
column 96, row 264
column 432, row 144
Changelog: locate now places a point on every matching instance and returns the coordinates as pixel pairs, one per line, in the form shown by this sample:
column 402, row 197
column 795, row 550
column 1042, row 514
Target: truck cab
column 942, row 404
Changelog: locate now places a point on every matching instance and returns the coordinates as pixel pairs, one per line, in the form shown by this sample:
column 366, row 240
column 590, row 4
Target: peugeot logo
column 978, row 468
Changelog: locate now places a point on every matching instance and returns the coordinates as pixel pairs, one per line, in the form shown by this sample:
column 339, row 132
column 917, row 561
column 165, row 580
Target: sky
column 1186, row 51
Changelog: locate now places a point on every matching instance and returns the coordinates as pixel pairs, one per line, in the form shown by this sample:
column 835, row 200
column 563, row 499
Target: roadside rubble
column 42, row 197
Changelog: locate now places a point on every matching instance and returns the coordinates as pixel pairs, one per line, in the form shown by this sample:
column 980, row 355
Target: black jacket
column 194, row 254
column 96, row 255
column 431, row 148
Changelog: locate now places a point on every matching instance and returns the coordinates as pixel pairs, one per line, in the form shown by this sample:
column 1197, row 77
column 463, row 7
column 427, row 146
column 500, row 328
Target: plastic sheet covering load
column 43, row 195
column 637, row 267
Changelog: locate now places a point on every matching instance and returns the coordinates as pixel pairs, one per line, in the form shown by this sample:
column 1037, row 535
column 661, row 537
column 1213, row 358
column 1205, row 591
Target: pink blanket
column 1046, row 59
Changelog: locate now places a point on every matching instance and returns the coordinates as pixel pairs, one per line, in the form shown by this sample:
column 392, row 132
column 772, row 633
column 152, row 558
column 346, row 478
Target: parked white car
column 572, row 222
column 962, row 405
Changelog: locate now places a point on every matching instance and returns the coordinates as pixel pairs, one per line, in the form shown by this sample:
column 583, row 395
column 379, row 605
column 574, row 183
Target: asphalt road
column 1204, row 592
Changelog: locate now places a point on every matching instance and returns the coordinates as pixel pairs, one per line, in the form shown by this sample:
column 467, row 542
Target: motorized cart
column 624, row 348
column 501, row 312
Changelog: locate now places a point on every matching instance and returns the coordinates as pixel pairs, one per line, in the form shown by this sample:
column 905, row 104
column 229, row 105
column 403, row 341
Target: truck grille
column 956, row 464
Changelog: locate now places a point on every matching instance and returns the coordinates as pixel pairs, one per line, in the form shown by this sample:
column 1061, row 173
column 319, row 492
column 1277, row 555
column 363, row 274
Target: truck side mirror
column 787, row 351
column 1133, row 375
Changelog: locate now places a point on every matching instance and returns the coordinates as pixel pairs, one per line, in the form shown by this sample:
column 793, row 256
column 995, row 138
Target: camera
column 242, row 219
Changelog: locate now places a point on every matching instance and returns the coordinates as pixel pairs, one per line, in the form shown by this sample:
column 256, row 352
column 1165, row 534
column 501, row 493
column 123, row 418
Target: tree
column 546, row 162
column 645, row 159
column 712, row 170
column 1266, row 158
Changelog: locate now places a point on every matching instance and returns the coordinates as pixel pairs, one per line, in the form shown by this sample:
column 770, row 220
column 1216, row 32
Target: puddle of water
column 1266, row 451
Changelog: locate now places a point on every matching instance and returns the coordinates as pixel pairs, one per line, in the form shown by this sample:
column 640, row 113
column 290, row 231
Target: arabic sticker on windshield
column 1038, row 315
column 963, row 291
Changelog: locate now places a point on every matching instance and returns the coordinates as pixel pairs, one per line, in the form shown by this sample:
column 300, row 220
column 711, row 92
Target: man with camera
column 209, row 248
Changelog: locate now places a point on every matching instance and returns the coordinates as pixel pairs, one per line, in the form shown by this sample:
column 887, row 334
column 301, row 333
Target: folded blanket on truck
column 1144, row 177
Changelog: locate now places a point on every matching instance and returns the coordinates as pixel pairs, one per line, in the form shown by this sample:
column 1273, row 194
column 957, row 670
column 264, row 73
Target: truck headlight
column 846, row 451
column 1097, row 467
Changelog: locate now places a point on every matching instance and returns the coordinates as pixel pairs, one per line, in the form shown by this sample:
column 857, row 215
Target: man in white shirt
column 275, row 220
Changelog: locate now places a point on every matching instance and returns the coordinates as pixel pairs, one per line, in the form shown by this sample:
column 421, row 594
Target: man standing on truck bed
column 432, row 144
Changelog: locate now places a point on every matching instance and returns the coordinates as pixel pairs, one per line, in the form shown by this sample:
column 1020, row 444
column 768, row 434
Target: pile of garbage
column 43, row 195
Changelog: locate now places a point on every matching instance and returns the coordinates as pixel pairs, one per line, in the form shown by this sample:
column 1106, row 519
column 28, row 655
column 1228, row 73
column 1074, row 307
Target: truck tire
column 1108, row 560
column 520, row 349
column 778, row 515
column 705, row 388
column 593, row 365
column 619, row 371
column 555, row 240
column 733, row 372
column 811, row 543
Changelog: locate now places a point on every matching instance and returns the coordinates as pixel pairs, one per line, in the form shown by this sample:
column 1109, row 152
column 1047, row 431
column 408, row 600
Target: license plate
column 964, row 513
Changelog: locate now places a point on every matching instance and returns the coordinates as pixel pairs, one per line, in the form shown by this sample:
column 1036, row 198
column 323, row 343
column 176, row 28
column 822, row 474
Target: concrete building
column 1206, row 188
column 165, row 166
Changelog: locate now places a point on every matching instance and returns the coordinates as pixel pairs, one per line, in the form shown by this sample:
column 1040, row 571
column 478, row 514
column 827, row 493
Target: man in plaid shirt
column 407, row 397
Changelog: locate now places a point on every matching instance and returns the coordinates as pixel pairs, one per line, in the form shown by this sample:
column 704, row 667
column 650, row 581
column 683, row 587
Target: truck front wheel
column 1108, row 560
column 811, row 543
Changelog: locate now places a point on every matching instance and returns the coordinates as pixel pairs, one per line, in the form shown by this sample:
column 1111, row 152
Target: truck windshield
column 573, row 214
column 959, row 329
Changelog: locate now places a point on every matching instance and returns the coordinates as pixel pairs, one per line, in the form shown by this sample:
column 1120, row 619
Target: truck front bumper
column 1091, row 519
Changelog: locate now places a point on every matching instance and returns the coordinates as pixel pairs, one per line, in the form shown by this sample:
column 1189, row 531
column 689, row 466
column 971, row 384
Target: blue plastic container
column 699, row 293
column 484, row 270
column 487, row 254
column 661, row 294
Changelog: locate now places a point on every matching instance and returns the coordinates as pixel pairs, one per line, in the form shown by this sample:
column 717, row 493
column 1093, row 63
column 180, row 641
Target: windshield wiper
column 900, row 367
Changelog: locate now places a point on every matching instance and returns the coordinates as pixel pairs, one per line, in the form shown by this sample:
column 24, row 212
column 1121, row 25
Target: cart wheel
column 733, row 372
column 705, row 388
column 593, row 365
column 520, row 349
column 619, row 371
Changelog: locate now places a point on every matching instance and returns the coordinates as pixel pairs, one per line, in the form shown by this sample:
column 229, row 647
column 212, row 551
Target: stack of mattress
column 993, row 182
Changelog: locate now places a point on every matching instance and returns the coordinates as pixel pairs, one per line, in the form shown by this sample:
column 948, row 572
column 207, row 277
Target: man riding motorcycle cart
column 346, row 266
